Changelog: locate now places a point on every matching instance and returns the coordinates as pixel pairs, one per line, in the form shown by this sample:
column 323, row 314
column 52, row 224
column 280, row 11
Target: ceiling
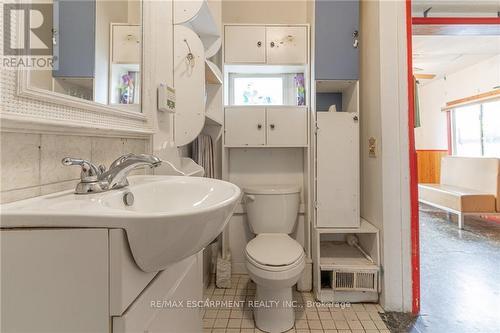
column 441, row 55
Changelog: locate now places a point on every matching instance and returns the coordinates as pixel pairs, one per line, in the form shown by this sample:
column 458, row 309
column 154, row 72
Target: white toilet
column 274, row 260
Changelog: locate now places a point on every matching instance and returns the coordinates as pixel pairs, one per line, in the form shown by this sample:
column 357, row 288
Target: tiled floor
column 309, row 317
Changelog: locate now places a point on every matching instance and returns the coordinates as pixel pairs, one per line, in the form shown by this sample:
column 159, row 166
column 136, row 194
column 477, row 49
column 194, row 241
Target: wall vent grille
column 355, row 280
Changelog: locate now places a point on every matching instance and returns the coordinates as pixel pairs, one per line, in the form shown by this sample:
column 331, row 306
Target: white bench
column 468, row 186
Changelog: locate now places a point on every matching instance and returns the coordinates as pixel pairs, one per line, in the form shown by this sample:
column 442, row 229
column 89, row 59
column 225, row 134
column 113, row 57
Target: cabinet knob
column 272, row 44
column 259, row 43
column 259, row 126
column 272, row 126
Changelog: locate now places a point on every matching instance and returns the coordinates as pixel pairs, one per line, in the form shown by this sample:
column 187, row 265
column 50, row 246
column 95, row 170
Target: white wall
column 432, row 134
column 371, row 168
column 384, row 115
column 472, row 80
column 263, row 11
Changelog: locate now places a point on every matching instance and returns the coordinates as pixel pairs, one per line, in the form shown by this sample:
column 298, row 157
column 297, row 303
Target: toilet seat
column 274, row 252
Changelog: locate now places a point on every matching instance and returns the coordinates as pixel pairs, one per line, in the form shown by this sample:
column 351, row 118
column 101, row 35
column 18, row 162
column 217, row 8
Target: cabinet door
column 287, row 126
column 286, row 45
column 335, row 56
column 74, row 31
column 337, row 154
column 176, row 285
column 245, row 44
column 54, row 280
column 245, row 126
column 126, row 44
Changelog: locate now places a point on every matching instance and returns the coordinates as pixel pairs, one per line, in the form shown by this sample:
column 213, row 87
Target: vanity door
column 245, row 126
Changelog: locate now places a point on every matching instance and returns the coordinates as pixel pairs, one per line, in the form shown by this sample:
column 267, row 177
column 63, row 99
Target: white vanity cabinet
column 284, row 126
column 258, row 44
column 86, row 280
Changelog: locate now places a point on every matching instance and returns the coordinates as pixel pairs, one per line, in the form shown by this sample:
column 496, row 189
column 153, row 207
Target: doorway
column 425, row 246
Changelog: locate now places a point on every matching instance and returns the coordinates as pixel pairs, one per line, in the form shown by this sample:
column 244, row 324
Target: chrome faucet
column 94, row 179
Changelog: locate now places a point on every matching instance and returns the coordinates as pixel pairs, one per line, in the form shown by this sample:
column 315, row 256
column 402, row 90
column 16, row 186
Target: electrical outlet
column 372, row 147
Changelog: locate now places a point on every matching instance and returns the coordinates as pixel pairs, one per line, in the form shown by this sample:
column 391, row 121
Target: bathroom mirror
column 97, row 55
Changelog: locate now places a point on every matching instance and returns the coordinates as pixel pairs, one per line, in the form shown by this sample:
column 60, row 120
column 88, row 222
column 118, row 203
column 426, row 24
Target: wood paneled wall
column 429, row 165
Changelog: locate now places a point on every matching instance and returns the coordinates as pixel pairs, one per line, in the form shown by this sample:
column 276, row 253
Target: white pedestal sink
column 170, row 219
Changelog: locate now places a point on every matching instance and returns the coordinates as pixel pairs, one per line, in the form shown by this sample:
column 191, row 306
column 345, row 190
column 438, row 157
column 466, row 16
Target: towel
column 203, row 154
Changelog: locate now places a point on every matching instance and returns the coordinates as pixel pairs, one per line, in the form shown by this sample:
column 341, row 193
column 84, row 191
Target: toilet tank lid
column 272, row 189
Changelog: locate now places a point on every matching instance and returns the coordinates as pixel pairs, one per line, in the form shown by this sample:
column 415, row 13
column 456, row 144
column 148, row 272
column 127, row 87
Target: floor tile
column 368, row 325
column 315, row 324
column 328, row 324
column 363, row 315
column 224, row 314
column 312, row 316
column 247, row 323
column 208, row 323
column 355, row 325
column 341, row 324
column 325, row 315
column 301, row 324
column 234, row 323
column 247, row 330
column 324, row 318
column 210, row 314
column 221, row 323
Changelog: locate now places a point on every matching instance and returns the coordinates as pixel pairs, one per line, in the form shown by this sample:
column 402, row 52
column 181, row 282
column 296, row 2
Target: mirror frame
column 138, row 121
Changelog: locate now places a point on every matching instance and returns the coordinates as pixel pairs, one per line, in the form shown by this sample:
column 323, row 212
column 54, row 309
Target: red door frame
column 414, row 224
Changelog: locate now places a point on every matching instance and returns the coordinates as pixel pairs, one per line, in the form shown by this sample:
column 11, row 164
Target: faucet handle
column 90, row 172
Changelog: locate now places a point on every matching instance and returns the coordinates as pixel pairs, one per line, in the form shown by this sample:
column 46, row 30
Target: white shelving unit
column 257, row 139
column 337, row 154
column 198, row 81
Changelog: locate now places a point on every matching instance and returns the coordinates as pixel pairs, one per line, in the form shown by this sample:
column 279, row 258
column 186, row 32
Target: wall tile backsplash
column 31, row 163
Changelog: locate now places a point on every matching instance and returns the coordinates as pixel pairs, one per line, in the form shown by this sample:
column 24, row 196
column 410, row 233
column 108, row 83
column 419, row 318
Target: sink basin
column 170, row 219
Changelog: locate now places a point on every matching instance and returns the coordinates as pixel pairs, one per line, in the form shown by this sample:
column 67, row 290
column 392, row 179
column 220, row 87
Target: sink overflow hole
column 128, row 199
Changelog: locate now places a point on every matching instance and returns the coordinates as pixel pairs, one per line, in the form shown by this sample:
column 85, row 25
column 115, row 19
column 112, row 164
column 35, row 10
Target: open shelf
column 339, row 254
column 364, row 228
column 210, row 120
column 213, row 75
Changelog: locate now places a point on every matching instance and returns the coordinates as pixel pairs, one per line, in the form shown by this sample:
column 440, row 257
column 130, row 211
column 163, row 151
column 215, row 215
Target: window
column 266, row 89
column 476, row 130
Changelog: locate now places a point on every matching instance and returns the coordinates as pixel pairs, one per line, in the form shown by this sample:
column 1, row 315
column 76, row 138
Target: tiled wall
column 30, row 164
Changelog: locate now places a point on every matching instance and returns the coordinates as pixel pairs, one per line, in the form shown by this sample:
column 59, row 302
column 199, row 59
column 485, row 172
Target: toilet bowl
column 274, row 260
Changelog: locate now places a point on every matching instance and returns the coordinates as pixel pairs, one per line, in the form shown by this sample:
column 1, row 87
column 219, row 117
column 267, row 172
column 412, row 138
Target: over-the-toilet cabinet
column 260, row 44
column 265, row 126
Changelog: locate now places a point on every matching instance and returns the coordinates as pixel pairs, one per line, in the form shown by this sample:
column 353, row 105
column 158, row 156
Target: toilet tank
column 272, row 208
